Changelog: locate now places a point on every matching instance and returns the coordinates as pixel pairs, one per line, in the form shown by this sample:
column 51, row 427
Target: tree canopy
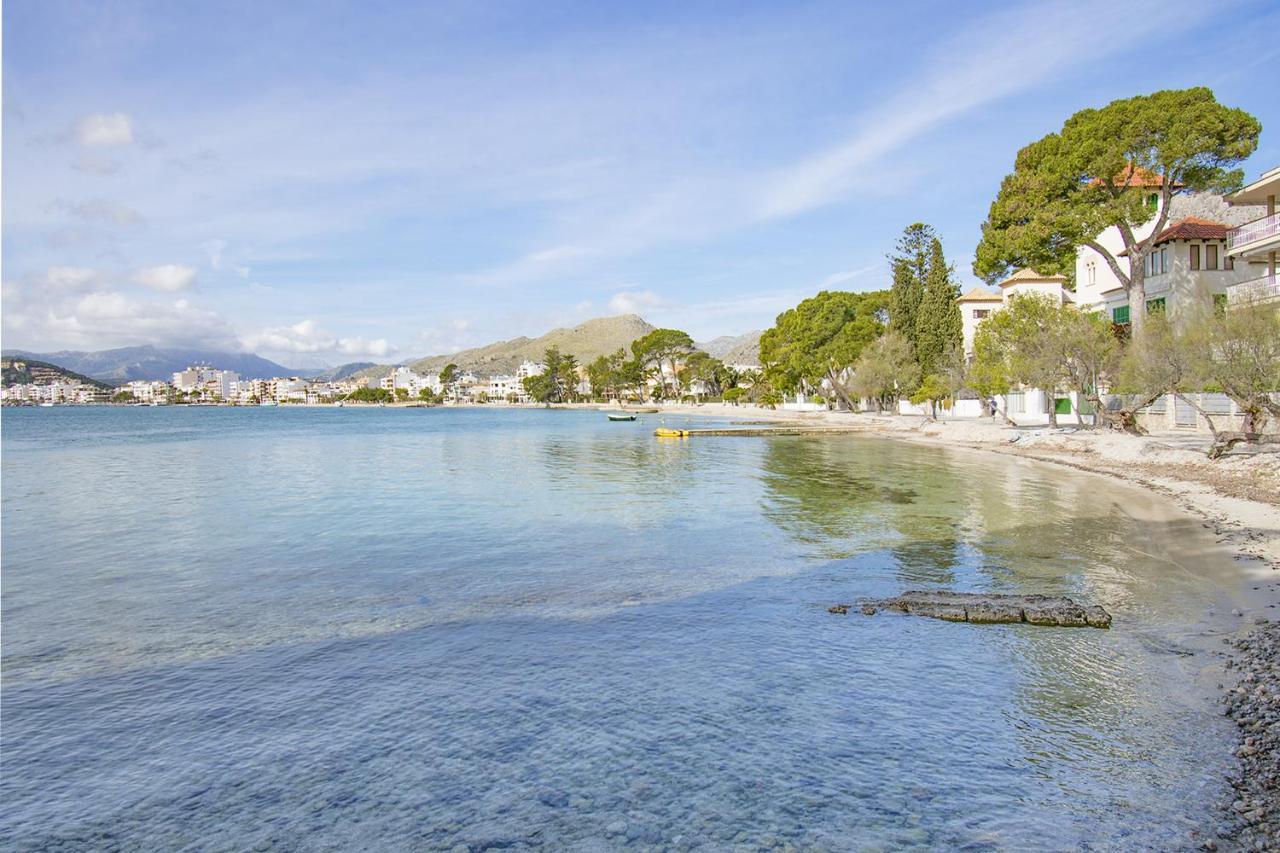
column 1098, row 171
column 820, row 339
column 662, row 348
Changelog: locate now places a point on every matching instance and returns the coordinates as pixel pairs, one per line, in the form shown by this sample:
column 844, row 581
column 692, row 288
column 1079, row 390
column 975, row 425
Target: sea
column 462, row 629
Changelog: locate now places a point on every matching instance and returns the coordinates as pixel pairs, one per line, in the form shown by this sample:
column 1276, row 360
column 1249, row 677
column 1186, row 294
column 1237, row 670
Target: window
column 1154, row 305
column 1211, row 256
column 1195, row 257
column 1120, row 315
column 1153, row 201
column 1228, row 263
column 980, row 313
column 1092, row 271
column 1163, row 259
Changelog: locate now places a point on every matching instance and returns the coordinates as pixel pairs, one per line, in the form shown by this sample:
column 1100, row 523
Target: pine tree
column 910, row 267
column 938, row 325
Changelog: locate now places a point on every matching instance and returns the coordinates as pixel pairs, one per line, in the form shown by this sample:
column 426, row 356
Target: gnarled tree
column 1097, row 172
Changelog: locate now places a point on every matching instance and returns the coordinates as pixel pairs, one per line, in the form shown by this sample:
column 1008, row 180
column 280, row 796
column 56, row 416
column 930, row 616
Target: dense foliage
column 1100, row 170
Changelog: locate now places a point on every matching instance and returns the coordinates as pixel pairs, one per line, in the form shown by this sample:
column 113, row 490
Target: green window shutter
column 1155, row 304
column 1120, row 314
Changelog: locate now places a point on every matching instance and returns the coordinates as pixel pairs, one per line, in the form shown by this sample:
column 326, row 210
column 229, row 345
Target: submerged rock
column 990, row 608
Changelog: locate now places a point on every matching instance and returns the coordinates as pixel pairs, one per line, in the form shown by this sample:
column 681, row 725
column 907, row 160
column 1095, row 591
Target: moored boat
column 628, row 416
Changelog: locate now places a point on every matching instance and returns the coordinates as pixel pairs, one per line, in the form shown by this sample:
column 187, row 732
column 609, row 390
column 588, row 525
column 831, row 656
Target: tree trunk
column 1137, row 297
column 839, row 390
column 1050, row 404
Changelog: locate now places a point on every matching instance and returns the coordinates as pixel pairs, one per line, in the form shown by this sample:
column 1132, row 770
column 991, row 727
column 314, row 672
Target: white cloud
column 1003, row 54
column 70, row 279
column 307, row 337
column 846, row 276
column 102, row 129
column 109, row 319
column 634, row 301
column 166, row 277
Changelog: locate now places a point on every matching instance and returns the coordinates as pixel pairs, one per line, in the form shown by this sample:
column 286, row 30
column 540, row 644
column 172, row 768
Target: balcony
column 1263, row 289
column 1259, row 231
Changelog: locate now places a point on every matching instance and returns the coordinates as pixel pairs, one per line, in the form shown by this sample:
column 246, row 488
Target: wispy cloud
column 104, row 129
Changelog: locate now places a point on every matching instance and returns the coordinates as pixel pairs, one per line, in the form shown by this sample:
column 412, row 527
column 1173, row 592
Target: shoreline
column 1237, row 498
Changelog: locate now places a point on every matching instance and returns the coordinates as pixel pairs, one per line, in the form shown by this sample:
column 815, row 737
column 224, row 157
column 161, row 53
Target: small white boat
column 46, row 405
column 268, row 403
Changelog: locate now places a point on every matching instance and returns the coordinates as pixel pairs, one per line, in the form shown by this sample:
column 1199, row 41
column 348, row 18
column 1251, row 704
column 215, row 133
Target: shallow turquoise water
column 418, row 629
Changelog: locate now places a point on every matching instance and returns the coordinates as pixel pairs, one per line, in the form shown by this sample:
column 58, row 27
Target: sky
column 330, row 181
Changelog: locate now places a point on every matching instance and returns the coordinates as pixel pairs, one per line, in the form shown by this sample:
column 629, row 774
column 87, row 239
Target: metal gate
column 1183, row 414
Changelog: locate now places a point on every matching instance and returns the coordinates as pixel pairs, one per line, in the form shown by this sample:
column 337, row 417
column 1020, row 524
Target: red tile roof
column 1190, row 228
column 1138, row 177
column 1194, row 228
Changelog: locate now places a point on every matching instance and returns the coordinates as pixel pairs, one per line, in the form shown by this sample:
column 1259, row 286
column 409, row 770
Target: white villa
column 977, row 304
column 1256, row 241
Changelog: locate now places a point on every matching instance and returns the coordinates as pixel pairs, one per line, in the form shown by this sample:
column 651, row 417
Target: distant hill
column 126, row 364
column 587, row 341
column 342, row 371
column 28, row 371
column 734, row 349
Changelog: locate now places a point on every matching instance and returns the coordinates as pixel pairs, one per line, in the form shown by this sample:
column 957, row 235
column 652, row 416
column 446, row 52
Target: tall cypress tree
column 938, row 324
column 910, row 267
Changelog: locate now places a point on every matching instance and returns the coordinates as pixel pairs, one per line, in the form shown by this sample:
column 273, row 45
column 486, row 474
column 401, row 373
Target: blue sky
column 326, row 182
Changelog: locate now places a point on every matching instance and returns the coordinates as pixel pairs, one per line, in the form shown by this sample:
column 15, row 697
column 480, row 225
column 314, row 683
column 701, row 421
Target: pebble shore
column 1254, row 704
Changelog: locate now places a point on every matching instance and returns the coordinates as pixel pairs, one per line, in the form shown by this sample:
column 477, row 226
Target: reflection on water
column 424, row 628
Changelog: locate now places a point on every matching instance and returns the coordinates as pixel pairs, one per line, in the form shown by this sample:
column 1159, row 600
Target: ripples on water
column 413, row 629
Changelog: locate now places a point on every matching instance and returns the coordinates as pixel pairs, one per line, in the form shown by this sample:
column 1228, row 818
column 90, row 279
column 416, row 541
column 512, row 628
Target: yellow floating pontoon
column 663, row 432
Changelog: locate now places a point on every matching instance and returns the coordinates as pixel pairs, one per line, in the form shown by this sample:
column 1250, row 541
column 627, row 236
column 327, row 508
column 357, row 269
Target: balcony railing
column 1262, row 289
column 1258, row 229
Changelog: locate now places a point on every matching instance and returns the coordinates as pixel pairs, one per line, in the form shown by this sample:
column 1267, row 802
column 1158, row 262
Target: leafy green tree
column 370, row 395
column 1239, row 352
column 1090, row 352
column 734, row 395
column 938, row 323
column 662, row 348
column 1023, row 342
column 1098, row 171
column 820, row 339
column 426, row 396
column 402, row 394
column 933, row 390
column 448, row 379
column 122, row 397
column 886, row 369
column 557, row 382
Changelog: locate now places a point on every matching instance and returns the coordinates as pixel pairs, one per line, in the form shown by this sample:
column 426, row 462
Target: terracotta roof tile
column 1030, row 275
column 1190, row 228
column 980, row 295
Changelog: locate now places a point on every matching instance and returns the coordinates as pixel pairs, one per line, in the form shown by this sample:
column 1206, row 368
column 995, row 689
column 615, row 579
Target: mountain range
column 586, row 341
column 734, row 349
column 125, row 364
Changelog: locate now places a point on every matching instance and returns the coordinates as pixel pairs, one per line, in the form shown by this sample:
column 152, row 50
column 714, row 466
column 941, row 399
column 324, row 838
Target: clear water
column 427, row 629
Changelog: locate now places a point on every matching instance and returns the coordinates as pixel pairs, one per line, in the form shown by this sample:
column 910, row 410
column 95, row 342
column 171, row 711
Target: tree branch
column 1111, row 261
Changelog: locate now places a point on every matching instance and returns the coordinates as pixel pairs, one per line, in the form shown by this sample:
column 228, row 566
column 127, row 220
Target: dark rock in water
column 840, row 609
column 992, row 608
